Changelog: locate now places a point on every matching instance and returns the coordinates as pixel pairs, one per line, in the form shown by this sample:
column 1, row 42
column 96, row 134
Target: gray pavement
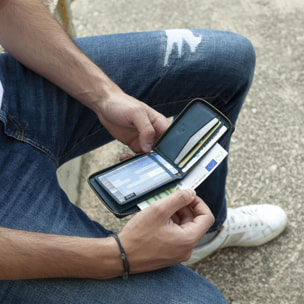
column 266, row 159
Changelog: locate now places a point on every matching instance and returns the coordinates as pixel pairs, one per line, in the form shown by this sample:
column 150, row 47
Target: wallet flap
column 193, row 123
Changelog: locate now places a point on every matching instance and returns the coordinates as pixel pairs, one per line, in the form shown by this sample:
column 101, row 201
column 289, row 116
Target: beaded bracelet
column 123, row 257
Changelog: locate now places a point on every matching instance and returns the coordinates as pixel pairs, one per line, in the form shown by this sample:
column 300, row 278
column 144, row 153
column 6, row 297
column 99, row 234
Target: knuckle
column 182, row 195
column 150, row 132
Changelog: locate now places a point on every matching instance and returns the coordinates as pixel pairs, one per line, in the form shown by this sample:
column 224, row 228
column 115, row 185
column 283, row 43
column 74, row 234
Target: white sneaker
column 246, row 226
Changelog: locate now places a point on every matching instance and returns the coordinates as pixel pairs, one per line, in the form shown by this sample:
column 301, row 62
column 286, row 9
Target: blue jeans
column 42, row 128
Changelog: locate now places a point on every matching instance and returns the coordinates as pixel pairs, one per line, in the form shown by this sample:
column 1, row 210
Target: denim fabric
column 42, row 127
column 1, row 94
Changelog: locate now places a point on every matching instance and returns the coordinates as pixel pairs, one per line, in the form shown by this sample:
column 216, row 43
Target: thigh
column 174, row 285
column 165, row 69
column 31, row 198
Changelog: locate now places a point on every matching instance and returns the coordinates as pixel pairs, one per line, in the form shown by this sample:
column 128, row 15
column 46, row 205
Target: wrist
column 92, row 87
column 103, row 259
column 97, row 90
column 123, row 257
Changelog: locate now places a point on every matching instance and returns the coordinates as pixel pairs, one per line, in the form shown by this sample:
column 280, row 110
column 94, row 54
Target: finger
column 185, row 215
column 199, row 207
column 202, row 220
column 125, row 156
column 145, row 129
column 174, row 202
column 160, row 124
column 175, row 218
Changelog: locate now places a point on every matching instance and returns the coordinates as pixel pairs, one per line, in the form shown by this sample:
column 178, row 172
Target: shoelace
column 245, row 218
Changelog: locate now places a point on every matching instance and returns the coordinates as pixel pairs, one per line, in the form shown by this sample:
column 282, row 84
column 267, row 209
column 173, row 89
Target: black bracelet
column 123, row 257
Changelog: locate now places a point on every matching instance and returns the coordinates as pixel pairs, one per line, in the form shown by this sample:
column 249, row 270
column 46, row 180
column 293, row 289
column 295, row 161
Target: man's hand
column 132, row 122
column 162, row 235
column 165, row 233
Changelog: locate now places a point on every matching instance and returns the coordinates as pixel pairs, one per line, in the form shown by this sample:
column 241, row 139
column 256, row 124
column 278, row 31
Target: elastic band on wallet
column 123, row 257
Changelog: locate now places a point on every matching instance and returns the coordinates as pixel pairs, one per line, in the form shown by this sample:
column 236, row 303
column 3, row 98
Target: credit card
column 194, row 139
column 205, row 149
column 199, row 145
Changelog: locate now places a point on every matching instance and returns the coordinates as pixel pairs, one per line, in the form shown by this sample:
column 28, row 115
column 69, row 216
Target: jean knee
column 247, row 56
column 242, row 57
column 234, row 55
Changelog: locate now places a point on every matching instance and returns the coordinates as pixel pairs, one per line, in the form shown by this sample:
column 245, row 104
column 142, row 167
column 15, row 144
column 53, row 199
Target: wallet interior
column 194, row 131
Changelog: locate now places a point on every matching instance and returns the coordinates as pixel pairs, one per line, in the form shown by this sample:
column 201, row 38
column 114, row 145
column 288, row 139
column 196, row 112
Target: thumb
column 174, row 202
column 145, row 129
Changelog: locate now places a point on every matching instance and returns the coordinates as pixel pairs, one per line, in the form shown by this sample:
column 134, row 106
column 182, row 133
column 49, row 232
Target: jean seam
column 20, row 136
column 17, row 125
column 219, row 226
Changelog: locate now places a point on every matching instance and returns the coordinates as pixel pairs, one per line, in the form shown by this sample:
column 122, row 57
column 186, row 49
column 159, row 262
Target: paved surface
column 266, row 159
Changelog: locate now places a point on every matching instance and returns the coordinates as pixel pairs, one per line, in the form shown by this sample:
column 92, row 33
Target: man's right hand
column 165, row 233
column 130, row 121
column 162, row 235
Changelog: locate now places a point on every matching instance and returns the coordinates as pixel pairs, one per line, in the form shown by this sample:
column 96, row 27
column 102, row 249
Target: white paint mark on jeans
column 178, row 37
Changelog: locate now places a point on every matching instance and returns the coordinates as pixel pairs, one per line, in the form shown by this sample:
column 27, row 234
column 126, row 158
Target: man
column 60, row 101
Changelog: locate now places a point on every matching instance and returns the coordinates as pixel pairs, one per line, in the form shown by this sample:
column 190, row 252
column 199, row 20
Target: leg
column 174, row 285
column 44, row 117
column 34, row 201
column 164, row 69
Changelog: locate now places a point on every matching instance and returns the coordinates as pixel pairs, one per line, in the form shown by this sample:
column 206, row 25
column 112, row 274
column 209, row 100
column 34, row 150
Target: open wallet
column 194, row 132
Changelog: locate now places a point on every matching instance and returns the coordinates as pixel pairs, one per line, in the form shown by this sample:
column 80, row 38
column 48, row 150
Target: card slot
column 146, row 197
column 172, row 170
column 134, row 178
column 130, row 206
column 199, row 145
column 206, row 146
column 194, row 139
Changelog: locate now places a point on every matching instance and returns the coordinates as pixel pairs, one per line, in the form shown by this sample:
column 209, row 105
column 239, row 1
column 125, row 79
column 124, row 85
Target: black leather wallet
column 192, row 134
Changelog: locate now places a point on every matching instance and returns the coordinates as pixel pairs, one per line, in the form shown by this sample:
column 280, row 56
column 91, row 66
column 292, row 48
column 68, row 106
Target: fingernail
column 147, row 147
column 191, row 192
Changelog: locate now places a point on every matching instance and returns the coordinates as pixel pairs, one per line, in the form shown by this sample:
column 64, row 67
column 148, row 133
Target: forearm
column 31, row 35
column 29, row 255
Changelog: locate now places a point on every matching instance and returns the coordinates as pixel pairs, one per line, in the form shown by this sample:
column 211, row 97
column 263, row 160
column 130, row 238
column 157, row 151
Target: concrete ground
column 266, row 158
